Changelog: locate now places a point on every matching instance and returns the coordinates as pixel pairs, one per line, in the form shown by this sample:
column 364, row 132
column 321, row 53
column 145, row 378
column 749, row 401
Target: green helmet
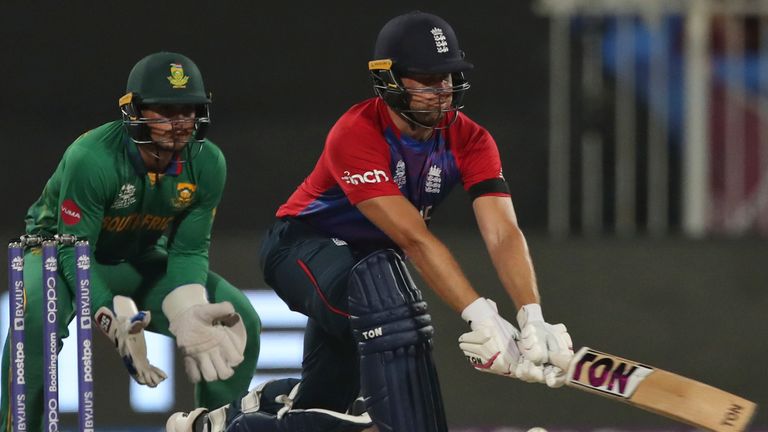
column 164, row 78
column 167, row 78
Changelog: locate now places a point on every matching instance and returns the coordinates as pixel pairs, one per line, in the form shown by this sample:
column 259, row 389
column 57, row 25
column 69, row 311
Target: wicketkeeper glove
column 125, row 327
column 491, row 346
column 211, row 335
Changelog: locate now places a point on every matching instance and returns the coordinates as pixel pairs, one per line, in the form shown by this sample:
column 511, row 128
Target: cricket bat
column 659, row 391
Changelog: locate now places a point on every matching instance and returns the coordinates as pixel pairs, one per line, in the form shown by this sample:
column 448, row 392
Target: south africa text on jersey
column 135, row 222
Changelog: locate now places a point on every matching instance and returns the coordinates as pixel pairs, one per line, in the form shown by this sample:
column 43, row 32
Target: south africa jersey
column 102, row 191
column 365, row 156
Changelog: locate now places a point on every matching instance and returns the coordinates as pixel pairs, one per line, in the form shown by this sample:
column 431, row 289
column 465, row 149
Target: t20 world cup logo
column 51, row 264
column 83, row 262
column 17, row 264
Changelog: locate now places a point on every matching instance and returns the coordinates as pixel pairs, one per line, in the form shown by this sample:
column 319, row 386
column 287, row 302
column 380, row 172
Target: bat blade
column 659, row 391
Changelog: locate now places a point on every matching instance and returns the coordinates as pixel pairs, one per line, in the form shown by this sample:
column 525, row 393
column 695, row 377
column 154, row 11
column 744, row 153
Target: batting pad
column 394, row 339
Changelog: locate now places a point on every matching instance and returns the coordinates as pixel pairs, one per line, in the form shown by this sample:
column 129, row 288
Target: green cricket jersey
column 101, row 191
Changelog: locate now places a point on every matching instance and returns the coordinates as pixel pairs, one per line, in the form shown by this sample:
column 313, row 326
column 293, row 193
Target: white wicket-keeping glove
column 491, row 346
column 125, row 327
column 546, row 344
column 211, row 335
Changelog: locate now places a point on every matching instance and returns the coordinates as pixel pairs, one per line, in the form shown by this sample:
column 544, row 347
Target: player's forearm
column 441, row 272
column 513, row 264
column 184, row 269
column 188, row 249
column 101, row 295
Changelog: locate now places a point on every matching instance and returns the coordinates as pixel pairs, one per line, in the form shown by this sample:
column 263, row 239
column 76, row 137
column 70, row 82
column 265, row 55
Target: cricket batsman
column 144, row 190
column 336, row 254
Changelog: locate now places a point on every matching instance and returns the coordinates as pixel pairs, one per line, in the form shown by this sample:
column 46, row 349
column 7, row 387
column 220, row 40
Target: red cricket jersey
column 365, row 156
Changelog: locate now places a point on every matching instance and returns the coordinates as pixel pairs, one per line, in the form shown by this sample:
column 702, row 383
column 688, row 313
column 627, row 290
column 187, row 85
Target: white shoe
column 193, row 421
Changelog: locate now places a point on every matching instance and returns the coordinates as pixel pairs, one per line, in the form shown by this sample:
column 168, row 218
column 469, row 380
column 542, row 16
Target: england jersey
column 366, row 156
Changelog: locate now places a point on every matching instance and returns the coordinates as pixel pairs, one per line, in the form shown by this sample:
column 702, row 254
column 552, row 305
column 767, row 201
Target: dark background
column 281, row 74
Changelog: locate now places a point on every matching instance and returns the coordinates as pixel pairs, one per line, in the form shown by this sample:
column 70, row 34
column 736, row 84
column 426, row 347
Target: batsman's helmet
column 164, row 78
column 417, row 43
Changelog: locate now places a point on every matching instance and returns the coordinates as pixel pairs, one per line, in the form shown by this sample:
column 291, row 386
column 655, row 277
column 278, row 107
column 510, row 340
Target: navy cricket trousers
column 309, row 271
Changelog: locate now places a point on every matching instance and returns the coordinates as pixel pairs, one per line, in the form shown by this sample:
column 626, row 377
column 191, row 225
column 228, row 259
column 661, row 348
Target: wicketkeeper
column 143, row 190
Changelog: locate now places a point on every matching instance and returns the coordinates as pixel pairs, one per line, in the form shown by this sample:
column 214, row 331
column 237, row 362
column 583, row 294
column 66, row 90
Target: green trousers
column 139, row 280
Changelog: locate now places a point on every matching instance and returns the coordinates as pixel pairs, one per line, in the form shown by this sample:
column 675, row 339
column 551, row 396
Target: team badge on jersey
column 434, row 180
column 125, row 197
column 399, row 177
column 177, row 78
column 184, row 194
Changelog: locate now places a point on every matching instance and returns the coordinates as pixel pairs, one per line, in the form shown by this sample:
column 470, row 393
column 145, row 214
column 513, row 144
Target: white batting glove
column 125, row 327
column 545, row 344
column 554, row 377
column 491, row 346
column 211, row 335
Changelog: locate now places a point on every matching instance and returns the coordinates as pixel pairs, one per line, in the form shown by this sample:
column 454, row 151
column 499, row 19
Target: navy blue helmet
column 417, row 43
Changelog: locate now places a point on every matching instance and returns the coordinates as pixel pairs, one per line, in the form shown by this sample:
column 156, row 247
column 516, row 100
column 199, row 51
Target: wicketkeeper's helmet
column 164, row 78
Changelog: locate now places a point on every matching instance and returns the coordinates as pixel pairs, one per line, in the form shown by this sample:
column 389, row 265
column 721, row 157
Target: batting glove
column 491, row 346
column 545, row 344
column 125, row 327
